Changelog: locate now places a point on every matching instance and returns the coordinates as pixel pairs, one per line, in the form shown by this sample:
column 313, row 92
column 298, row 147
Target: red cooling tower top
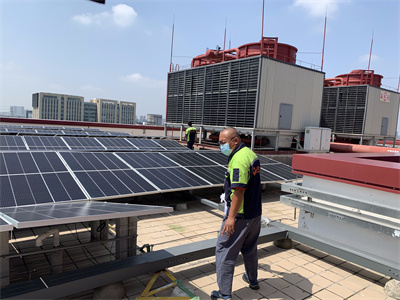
column 268, row 46
column 356, row 77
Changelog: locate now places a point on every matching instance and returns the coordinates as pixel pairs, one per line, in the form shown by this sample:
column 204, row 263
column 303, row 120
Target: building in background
column 127, row 112
column 28, row 113
column 17, row 111
column 57, row 107
column 89, row 112
column 73, row 108
column 113, row 111
column 107, row 110
column 153, row 119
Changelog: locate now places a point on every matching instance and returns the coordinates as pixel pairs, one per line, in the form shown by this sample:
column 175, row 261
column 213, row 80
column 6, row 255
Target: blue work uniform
column 243, row 173
column 190, row 136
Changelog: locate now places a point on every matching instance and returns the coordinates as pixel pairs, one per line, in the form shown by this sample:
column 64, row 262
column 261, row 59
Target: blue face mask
column 225, row 149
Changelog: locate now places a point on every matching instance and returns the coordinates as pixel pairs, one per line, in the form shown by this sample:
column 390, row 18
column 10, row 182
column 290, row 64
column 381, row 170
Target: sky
column 122, row 50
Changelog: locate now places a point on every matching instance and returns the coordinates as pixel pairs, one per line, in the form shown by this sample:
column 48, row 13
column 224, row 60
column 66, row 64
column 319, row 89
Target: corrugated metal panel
column 283, row 83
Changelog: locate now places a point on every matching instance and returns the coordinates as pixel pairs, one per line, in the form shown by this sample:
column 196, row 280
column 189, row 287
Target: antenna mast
column 323, row 44
column 226, row 19
column 370, row 51
column 172, row 44
column 262, row 30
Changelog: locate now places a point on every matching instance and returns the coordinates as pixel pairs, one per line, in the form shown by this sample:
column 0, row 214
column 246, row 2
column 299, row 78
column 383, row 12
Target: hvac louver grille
column 343, row 109
column 221, row 94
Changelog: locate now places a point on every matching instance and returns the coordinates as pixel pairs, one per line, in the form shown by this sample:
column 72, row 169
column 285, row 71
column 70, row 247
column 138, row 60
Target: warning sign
column 385, row 96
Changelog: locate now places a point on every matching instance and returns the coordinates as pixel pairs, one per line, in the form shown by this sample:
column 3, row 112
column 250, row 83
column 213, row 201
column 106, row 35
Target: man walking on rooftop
column 190, row 134
column 242, row 221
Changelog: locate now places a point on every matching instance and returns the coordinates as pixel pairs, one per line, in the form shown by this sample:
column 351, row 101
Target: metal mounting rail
column 67, row 283
column 377, row 224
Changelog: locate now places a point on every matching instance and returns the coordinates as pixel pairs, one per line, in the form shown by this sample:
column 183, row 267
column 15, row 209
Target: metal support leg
column 277, row 142
column 126, row 227
column 98, row 230
column 132, row 230
column 165, row 130
column 4, row 261
column 180, row 134
column 252, row 139
column 121, row 228
column 201, row 134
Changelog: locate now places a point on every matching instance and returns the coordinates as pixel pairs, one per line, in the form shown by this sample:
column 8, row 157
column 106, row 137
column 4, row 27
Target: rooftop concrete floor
column 298, row 273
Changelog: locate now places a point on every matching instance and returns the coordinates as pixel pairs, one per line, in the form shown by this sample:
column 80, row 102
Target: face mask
column 225, row 149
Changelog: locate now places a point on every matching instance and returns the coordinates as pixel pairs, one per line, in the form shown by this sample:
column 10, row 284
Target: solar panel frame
column 5, row 226
column 82, row 211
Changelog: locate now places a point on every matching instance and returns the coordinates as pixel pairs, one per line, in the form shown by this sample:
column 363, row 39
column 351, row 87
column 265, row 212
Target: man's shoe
column 215, row 295
column 252, row 284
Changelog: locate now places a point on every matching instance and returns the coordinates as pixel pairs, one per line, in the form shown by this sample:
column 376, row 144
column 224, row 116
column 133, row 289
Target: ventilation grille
column 220, row 95
column 343, row 109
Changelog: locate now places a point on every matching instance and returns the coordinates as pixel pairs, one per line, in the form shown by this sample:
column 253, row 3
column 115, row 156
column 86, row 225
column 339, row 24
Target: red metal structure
column 351, row 148
column 356, row 77
column 268, row 46
column 373, row 170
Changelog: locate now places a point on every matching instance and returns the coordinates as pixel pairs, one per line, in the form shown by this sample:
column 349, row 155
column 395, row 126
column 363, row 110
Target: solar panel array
column 55, row 143
column 30, row 178
column 57, row 131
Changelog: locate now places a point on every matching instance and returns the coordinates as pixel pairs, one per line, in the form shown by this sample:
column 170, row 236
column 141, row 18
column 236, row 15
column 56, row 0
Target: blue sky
column 121, row 50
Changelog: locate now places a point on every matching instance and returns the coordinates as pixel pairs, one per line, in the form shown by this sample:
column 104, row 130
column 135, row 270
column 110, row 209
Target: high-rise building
column 57, row 107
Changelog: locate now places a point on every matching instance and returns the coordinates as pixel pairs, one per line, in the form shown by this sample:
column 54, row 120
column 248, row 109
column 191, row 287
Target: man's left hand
column 229, row 227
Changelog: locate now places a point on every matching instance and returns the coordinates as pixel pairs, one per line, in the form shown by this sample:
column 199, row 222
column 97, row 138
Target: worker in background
column 242, row 221
column 191, row 135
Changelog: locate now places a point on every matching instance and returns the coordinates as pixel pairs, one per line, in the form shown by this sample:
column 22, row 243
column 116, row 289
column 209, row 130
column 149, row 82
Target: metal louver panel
column 221, row 94
column 343, row 109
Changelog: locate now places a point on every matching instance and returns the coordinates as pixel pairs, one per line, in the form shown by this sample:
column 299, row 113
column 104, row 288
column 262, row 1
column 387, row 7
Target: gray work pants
column 244, row 239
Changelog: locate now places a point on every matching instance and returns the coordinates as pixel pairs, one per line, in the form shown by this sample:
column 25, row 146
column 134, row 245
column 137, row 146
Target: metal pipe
column 56, row 238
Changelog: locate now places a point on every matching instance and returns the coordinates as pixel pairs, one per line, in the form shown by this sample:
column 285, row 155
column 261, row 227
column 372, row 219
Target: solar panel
column 144, row 144
column 116, row 144
column 265, row 160
column 173, row 178
column 171, row 145
column 83, row 211
column 216, row 156
column 189, row 159
column 45, row 143
column 81, row 143
column 105, row 175
column 213, row 174
column 146, row 160
column 281, row 170
column 11, row 143
column 35, row 177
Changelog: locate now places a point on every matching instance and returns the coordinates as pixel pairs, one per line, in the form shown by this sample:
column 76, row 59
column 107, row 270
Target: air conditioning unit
column 317, row 139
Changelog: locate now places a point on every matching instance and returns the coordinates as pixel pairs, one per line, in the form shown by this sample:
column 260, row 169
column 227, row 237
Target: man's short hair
column 190, row 123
